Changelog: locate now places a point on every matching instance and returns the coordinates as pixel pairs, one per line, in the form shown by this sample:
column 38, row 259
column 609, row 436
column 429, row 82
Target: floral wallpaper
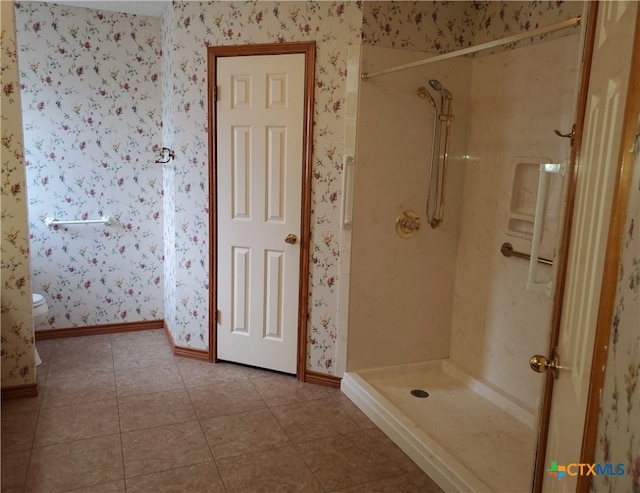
column 187, row 30
column 91, row 92
column 333, row 25
column 422, row 26
column 499, row 19
column 439, row 27
column 168, row 172
column 150, row 80
column 16, row 338
column 618, row 438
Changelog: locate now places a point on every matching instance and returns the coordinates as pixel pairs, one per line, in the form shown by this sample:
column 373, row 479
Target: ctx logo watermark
column 585, row 470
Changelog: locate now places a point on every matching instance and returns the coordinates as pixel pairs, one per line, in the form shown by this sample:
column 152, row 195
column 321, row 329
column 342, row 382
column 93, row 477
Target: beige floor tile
column 311, row 420
column 244, row 433
column 253, row 372
column 277, row 390
column 137, row 381
column 200, row 478
column 236, row 396
column 79, row 363
column 41, row 374
column 44, row 349
column 149, row 410
column 14, row 471
column 135, row 357
column 76, row 422
column 416, row 482
column 268, row 432
column 94, row 343
column 346, row 460
column 18, row 427
column 74, row 465
column 73, row 390
column 358, row 416
column 138, row 340
column 275, row 470
column 159, row 334
column 110, row 487
column 163, row 448
column 199, row 373
column 386, row 446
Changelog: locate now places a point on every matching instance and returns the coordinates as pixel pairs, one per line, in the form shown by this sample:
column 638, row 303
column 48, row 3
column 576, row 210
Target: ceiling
column 153, row 8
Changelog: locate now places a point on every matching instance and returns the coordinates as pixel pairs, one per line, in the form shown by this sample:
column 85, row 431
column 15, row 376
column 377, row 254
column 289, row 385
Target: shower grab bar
column 51, row 221
column 507, row 250
column 546, row 169
column 571, row 22
column 348, row 163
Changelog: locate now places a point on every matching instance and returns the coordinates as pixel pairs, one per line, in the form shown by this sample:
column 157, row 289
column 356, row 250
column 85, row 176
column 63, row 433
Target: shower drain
column 419, row 393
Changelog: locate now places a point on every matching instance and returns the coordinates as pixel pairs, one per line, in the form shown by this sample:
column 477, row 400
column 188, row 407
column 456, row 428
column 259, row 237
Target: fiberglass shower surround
column 445, row 320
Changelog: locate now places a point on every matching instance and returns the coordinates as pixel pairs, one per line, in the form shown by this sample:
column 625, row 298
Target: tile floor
column 120, row 413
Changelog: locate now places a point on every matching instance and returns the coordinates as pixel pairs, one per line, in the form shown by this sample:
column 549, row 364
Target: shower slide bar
column 507, row 250
column 50, row 221
column 571, row 22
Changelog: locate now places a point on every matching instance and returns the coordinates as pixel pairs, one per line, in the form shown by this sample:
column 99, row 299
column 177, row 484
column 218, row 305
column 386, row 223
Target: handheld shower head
column 435, row 84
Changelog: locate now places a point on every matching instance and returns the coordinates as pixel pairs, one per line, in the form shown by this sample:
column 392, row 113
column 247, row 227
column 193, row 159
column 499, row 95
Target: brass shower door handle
column 291, row 239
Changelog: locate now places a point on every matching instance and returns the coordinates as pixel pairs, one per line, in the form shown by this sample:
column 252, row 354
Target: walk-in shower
column 453, row 317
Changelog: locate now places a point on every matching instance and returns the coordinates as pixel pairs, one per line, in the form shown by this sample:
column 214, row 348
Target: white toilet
column 40, row 310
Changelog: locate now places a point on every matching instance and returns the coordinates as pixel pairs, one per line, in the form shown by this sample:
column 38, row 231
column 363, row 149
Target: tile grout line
column 115, row 383
column 35, row 428
column 213, row 459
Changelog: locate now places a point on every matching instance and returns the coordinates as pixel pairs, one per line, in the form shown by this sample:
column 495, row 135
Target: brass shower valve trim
column 407, row 224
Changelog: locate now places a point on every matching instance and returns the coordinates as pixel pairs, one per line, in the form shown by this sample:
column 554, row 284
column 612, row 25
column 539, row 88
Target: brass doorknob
column 291, row 239
column 540, row 364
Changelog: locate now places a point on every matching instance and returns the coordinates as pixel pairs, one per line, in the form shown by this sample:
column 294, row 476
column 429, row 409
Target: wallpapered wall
column 92, row 115
column 187, row 28
column 169, row 172
column 333, row 25
column 447, row 26
column 17, row 333
column 618, row 430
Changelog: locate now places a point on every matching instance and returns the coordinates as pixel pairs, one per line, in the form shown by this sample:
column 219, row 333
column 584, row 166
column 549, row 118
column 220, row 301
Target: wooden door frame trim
column 213, row 53
column 624, row 175
column 545, row 407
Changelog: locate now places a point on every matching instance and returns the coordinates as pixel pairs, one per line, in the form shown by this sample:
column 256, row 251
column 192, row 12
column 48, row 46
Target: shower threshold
column 465, row 435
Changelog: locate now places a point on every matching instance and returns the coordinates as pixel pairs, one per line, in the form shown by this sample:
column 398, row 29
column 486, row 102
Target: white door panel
column 259, row 134
column 595, row 183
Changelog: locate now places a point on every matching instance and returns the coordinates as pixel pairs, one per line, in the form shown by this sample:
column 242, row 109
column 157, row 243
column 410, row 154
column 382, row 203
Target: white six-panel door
column 259, row 135
column 595, row 183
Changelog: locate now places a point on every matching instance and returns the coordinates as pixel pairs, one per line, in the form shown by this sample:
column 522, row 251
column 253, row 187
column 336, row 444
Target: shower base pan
column 464, row 435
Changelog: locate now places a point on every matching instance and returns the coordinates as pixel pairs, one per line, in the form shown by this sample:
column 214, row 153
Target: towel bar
column 51, row 221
